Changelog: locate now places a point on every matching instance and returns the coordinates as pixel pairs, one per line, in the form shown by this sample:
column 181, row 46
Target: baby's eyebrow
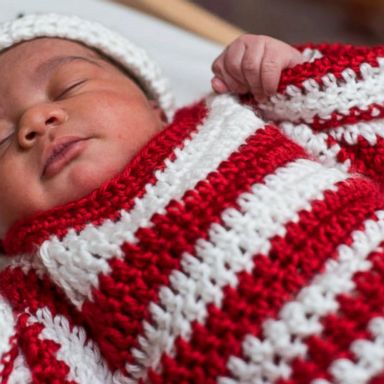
column 48, row 66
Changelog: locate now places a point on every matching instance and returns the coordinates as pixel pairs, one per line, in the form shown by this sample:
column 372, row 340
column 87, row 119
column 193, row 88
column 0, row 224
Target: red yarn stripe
column 336, row 119
column 8, row 359
column 365, row 158
column 355, row 115
column 119, row 192
column 341, row 329
column 121, row 301
column 336, row 59
column 41, row 354
column 293, row 261
column 26, row 291
column 379, row 379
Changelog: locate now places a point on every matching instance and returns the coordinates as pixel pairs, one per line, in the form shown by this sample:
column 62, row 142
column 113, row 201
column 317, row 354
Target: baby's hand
column 253, row 63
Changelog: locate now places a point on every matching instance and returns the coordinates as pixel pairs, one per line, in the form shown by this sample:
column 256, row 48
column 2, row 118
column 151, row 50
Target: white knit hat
column 94, row 35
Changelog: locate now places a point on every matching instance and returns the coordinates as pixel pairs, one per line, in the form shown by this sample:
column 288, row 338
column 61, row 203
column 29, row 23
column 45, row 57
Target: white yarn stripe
column 82, row 356
column 75, row 262
column 369, row 356
column 369, row 130
column 229, row 250
column 27, row 262
column 322, row 101
column 7, row 330
column 269, row 358
column 21, row 374
column 369, row 359
column 315, row 144
column 310, row 55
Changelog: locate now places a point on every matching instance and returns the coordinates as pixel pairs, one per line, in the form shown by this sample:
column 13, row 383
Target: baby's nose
column 37, row 121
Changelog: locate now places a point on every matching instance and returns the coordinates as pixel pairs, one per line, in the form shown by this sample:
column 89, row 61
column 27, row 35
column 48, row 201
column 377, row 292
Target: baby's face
column 69, row 120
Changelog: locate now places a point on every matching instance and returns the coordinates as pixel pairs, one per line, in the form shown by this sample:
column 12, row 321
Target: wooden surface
column 188, row 16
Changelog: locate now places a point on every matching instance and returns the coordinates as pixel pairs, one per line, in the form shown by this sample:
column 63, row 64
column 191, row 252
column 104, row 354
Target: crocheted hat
column 93, row 35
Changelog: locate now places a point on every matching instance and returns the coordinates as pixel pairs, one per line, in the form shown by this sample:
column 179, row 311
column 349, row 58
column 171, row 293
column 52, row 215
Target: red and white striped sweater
column 224, row 253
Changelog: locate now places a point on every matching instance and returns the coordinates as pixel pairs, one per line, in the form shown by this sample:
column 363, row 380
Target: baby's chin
column 80, row 181
column 72, row 184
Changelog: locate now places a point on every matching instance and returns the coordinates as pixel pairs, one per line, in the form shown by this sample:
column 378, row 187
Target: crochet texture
column 230, row 250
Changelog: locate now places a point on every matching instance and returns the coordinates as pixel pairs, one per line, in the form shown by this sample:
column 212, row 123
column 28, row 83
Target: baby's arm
column 253, row 64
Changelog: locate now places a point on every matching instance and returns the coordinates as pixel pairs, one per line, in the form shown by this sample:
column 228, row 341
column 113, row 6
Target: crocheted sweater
column 230, row 250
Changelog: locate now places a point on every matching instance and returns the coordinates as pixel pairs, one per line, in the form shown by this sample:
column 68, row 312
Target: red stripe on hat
column 121, row 301
column 40, row 355
column 27, row 234
column 292, row 262
column 341, row 329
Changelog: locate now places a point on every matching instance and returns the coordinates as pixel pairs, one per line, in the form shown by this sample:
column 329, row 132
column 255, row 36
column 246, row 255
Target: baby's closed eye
column 6, row 132
column 4, row 139
column 67, row 89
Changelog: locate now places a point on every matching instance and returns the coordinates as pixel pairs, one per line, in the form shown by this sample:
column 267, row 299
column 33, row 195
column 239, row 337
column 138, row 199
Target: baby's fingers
column 277, row 56
column 218, row 85
column 270, row 70
column 225, row 79
column 250, row 66
column 232, row 65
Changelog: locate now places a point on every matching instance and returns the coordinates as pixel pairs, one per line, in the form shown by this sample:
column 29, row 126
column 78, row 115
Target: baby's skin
column 253, row 64
column 70, row 120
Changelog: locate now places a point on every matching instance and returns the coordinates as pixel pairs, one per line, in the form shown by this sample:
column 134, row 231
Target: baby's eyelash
column 68, row 89
column 3, row 141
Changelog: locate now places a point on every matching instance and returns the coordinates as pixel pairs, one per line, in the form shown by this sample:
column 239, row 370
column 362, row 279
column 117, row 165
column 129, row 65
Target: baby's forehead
column 36, row 50
column 30, row 63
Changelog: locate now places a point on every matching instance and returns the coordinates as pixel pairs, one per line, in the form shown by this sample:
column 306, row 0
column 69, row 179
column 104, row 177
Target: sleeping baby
column 238, row 240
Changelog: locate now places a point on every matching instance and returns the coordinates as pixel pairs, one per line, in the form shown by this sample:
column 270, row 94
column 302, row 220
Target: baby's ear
column 160, row 113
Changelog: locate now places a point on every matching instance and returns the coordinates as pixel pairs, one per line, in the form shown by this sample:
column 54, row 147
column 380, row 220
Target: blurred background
column 295, row 21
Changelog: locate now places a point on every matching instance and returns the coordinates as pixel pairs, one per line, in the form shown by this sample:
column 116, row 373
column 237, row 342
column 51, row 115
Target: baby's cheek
column 84, row 175
column 16, row 204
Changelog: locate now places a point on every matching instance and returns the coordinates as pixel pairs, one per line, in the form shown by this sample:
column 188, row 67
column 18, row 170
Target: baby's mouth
column 62, row 153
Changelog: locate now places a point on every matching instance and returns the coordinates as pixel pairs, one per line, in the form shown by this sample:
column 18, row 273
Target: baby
column 48, row 83
column 51, row 138
column 216, row 247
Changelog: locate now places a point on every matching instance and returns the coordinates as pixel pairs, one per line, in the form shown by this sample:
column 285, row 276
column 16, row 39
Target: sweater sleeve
column 13, row 368
column 333, row 105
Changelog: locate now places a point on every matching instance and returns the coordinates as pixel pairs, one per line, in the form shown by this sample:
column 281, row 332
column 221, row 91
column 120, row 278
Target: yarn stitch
column 230, row 250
